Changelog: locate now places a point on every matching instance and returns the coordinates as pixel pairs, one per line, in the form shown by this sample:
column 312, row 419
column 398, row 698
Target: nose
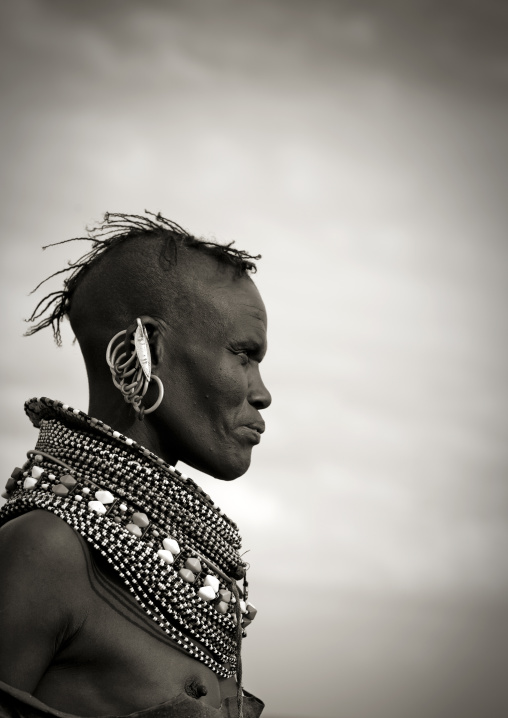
column 259, row 396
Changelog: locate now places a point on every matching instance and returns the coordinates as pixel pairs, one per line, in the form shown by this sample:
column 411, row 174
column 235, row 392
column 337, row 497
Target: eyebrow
column 257, row 348
column 253, row 346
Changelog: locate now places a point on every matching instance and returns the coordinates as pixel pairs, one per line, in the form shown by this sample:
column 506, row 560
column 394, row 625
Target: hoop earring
column 132, row 374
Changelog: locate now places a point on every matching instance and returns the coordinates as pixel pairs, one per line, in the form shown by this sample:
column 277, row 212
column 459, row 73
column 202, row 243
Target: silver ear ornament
column 143, row 349
column 132, row 373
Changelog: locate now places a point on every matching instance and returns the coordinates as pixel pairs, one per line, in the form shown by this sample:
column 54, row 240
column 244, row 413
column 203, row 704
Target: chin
column 230, row 470
column 228, row 466
column 229, row 473
column 229, row 477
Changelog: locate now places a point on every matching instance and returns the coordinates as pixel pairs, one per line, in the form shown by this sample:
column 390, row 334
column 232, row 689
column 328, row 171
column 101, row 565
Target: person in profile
column 123, row 591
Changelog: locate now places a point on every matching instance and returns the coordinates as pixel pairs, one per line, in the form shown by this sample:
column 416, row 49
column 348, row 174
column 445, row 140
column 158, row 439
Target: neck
column 117, row 413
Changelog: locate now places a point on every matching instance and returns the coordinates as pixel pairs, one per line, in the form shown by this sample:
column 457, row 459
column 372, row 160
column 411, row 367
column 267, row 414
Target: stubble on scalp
column 135, row 279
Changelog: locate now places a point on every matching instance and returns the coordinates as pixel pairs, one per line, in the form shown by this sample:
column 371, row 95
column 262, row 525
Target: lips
column 252, row 432
column 258, row 426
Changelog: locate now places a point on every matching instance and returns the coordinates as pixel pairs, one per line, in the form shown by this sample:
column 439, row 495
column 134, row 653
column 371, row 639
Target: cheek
column 227, row 386
column 211, row 386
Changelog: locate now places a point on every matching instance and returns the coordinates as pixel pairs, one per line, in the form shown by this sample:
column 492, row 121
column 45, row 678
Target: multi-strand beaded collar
column 176, row 552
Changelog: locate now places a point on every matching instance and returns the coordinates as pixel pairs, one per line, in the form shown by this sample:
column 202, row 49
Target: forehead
column 219, row 304
column 239, row 302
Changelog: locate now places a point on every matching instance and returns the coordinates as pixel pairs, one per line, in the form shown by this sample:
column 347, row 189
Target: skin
column 95, row 652
column 212, row 383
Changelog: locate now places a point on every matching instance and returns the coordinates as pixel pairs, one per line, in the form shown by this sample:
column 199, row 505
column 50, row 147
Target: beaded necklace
column 176, row 552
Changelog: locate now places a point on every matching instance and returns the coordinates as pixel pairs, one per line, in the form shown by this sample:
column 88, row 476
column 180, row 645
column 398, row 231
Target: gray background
column 361, row 148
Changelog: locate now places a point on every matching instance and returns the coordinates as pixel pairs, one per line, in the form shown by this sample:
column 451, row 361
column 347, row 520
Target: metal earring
column 132, row 372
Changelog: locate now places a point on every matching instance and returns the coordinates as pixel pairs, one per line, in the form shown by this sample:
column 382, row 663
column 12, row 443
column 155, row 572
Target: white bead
column 171, row 545
column 106, row 497
column 122, row 507
column 206, row 593
column 75, row 411
column 116, row 434
column 187, row 575
column 140, row 519
column 194, row 564
column 52, row 477
column 29, row 483
column 37, row 471
column 243, row 606
column 166, row 556
column 65, row 406
column 97, row 506
column 78, row 497
column 86, row 490
column 129, row 442
column 212, row 581
column 134, row 529
column 251, row 610
column 44, row 486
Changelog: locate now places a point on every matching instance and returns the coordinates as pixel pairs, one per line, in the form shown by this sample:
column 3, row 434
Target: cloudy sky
column 361, row 149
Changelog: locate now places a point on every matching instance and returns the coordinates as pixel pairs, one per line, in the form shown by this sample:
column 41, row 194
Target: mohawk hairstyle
column 112, row 231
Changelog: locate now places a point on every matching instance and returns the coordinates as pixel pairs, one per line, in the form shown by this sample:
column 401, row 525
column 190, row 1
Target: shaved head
column 134, row 278
column 149, row 243
column 143, row 277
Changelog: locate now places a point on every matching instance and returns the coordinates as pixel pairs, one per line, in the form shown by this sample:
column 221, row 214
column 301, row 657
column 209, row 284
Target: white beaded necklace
column 176, row 552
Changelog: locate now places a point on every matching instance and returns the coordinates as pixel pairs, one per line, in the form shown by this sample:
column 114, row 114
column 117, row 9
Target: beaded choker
column 176, row 552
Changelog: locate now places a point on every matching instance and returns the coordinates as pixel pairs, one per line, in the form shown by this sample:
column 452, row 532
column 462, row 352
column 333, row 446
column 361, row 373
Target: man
column 123, row 590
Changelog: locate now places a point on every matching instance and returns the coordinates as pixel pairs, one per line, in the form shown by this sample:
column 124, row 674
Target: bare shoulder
column 41, row 541
column 41, row 559
column 33, row 521
column 43, row 573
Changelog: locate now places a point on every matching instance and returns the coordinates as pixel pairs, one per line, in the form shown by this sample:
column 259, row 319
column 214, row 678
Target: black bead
column 237, row 572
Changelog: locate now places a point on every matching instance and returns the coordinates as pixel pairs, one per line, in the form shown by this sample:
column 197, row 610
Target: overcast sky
column 361, row 148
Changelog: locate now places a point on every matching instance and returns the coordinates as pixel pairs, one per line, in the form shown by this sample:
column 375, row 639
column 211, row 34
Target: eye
column 244, row 357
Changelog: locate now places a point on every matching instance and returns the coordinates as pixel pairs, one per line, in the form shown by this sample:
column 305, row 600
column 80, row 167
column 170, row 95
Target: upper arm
column 40, row 574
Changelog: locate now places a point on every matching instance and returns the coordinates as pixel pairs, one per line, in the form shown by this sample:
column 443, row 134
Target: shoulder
column 43, row 568
column 39, row 548
column 42, row 596
column 41, row 541
column 28, row 524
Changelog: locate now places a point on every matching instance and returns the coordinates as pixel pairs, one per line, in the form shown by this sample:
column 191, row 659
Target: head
column 206, row 325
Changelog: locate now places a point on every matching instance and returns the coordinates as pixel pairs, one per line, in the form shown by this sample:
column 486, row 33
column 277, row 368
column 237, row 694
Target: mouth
column 258, row 426
column 252, row 432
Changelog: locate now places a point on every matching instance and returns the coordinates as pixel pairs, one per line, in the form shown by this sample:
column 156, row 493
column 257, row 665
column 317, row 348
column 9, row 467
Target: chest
column 120, row 660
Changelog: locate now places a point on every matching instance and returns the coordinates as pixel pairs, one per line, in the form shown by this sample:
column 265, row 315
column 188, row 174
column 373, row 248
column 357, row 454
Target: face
column 210, row 417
